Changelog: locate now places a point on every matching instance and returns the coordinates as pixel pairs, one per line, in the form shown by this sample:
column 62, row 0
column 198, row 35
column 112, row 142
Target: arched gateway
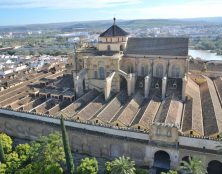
column 214, row 167
column 161, row 161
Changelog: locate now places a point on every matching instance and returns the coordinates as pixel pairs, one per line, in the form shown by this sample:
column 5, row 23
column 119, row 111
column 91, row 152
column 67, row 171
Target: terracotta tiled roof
column 193, row 119
column 71, row 110
column 209, row 117
column 128, row 114
column 149, row 114
column 91, row 109
column 175, row 112
column 216, row 104
column 107, row 114
column 163, row 111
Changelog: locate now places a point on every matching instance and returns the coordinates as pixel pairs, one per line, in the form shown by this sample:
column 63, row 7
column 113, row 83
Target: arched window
column 130, row 68
column 144, row 70
column 108, row 47
column 121, row 48
column 159, row 70
column 95, row 75
column 169, row 133
column 175, row 71
column 101, row 72
column 158, row 131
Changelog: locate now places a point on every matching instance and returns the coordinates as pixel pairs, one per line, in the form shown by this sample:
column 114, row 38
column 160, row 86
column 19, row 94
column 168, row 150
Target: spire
column 114, row 30
column 114, row 21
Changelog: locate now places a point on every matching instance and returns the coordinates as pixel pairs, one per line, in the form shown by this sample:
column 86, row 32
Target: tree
column 123, row 165
column 27, row 170
column 3, row 168
column 23, row 151
column 12, row 162
column 11, row 52
column 141, row 171
column 46, row 155
column 2, row 154
column 88, row 166
column 108, row 166
column 6, row 143
column 170, row 172
column 43, row 156
column 67, row 150
column 193, row 166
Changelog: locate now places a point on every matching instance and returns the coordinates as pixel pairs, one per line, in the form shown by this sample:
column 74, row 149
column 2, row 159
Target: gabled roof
column 169, row 46
column 113, row 31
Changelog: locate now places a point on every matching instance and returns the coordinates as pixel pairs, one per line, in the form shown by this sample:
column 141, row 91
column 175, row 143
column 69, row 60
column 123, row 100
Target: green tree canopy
column 170, row 172
column 23, row 151
column 12, row 162
column 141, row 171
column 88, row 166
column 46, row 155
column 6, row 143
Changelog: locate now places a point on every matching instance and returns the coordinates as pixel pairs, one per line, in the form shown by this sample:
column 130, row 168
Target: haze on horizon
column 19, row 12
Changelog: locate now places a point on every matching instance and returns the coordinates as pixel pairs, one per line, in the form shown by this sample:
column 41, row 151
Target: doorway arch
column 144, row 69
column 175, row 71
column 79, row 82
column 101, row 73
column 161, row 160
column 214, row 167
column 130, row 68
column 121, row 48
column 159, row 70
column 123, row 83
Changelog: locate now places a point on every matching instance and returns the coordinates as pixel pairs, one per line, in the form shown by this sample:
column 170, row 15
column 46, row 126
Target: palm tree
column 193, row 166
column 123, row 165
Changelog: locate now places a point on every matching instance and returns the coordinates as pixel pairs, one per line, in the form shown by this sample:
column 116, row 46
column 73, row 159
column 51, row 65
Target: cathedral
column 139, row 97
column 150, row 65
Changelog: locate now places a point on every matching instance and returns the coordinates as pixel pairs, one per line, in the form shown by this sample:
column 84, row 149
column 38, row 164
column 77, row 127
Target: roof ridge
column 113, row 31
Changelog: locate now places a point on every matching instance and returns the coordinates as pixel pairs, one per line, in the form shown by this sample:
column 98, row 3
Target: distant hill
column 140, row 23
column 216, row 20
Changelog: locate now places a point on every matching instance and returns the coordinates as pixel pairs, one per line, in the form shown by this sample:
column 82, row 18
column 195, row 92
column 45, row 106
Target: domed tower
column 113, row 39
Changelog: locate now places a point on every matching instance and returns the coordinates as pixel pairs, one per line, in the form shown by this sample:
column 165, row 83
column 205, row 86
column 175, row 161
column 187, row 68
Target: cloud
column 64, row 4
column 204, row 8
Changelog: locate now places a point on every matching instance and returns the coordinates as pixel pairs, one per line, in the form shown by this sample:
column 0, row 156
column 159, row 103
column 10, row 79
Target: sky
column 19, row 12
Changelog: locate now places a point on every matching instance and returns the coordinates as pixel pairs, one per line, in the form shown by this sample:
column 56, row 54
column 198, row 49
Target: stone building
column 126, row 96
column 124, row 63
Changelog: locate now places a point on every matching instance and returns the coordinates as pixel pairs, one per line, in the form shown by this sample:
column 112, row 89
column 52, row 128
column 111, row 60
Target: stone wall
column 103, row 141
column 174, row 68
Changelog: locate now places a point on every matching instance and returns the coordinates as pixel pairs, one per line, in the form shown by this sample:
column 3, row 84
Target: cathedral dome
column 113, row 31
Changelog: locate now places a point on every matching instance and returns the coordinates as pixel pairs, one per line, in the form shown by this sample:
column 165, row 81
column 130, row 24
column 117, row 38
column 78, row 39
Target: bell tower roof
column 114, row 30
